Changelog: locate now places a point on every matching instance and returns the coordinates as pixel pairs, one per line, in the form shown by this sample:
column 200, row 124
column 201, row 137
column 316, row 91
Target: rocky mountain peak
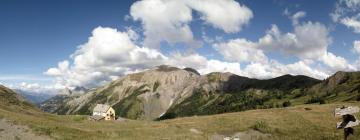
column 79, row 90
column 192, row 70
column 65, row 91
column 337, row 79
column 166, row 68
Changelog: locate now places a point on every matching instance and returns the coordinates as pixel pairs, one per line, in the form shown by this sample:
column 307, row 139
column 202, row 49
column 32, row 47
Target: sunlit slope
column 168, row 92
column 312, row 122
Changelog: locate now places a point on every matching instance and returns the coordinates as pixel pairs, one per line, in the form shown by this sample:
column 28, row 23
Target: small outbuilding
column 103, row 112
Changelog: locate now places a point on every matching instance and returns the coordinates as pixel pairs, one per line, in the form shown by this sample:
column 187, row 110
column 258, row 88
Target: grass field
column 293, row 123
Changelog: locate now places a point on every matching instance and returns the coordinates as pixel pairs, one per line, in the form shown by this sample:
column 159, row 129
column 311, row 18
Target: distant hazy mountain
column 38, row 97
column 270, row 124
column 34, row 97
column 55, row 102
column 167, row 92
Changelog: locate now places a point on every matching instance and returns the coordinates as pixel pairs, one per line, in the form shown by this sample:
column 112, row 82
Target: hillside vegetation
column 305, row 122
column 168, row 92
column 302, row 122
column 11, row 100
column 282, row 91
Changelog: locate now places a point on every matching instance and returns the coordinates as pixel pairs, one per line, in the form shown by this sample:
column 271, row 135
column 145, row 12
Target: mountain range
column 34, row 97
column 21, row 120
column 166, row 92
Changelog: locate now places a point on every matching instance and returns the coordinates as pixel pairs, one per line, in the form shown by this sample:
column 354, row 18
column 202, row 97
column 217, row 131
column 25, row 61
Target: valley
column 166, row 92
column 179, row 70
column 296, row 123
column 213, row 106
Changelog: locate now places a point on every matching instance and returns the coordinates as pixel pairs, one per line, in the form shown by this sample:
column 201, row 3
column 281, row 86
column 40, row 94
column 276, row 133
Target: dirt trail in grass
column 10, row 131
column 246, row 135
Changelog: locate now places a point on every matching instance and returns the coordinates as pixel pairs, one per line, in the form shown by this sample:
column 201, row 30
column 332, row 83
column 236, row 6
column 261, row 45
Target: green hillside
column 278, row 92
column 168, row 92
column 302, row 122
column 11, row 100
column 310, row 122
column 342, row 86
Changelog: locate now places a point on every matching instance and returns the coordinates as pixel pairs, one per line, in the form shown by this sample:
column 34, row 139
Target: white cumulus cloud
column 227, row 15
column 163, row 20
column 107, row 55
column 347, row 12
column 353, row 23
column 295, row 18
column 308, row 41
column 220, row 66
column 275, row 69
column 34, row 88
column 336, row 62
column 241, row 50
column 168, row 20
column 357, row 46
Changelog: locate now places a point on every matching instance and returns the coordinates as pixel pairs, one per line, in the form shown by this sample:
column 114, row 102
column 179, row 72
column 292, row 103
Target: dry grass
column 294, row 123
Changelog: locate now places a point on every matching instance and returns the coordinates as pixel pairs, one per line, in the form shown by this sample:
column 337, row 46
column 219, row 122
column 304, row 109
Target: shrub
column 271, row 105
column 43, row 131
column 306, row 108
column 157, row 95
column 156, row 85
column 316, row 99
column 358, row 98
column 277, row 105
column 169, row 115
column 279, row 95
column 300, row 94
column 79, row 118
column 211, row 78
column 261, row 126
column 286, row 104
column 328, row 93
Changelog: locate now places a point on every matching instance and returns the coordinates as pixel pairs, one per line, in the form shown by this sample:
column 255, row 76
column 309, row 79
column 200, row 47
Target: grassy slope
column 283, row 123
column 241, row 93
column 234, row 93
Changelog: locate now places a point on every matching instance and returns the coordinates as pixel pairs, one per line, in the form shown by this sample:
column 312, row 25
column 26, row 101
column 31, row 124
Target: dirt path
column 9, row 131
column 246, row 135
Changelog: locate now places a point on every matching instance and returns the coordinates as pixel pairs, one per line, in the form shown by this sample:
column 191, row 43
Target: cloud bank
column 109, row 53
column 168, row 20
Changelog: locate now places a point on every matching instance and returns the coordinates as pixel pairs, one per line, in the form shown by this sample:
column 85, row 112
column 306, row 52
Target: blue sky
column 37, row 35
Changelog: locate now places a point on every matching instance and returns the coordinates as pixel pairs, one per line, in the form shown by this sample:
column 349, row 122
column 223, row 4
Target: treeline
column 203, row 103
